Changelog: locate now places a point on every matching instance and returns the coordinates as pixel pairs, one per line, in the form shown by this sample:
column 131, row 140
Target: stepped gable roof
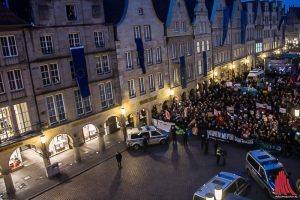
column 8, row 18
column 113, row 10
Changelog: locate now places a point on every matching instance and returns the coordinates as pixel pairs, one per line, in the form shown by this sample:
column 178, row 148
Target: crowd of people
column 266, row 115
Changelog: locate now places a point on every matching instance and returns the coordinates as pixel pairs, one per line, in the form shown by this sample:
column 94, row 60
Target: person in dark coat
column 185, row 138
column 145, row 144
column 119, row 159
column 173, row 133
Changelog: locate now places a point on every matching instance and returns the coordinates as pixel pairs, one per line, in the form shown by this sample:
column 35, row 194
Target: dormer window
column 141, row 11
column 71, row 12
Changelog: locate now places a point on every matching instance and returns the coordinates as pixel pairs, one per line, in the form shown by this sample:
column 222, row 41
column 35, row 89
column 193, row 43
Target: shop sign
column 148, row 100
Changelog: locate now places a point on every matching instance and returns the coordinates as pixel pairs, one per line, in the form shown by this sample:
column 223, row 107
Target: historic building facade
column 133, row 55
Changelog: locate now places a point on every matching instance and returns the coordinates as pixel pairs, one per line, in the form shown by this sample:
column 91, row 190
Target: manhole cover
column 27, row 178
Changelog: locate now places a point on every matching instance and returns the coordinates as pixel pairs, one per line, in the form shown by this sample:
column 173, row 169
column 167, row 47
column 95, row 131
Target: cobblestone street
column 164, row 172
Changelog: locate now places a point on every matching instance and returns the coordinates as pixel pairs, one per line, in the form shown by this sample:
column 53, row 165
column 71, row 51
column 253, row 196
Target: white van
column 256, row 75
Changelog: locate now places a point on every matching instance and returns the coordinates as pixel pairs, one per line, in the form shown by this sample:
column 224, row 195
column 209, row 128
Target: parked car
column 153, row 135
column 229, row 182
column 269, row 173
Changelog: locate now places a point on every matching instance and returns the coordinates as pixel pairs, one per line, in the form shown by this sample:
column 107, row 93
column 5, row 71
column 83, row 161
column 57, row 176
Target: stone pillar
column 9, row 185
column 101, row 139
column 77, row 156
column 46, row 158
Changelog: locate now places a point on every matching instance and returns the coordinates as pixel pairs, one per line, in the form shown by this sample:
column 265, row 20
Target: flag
column 140, row 50
column 80, row 70
column 168, row 115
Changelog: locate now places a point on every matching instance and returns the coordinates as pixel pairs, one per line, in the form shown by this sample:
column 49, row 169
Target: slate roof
column 8, row 18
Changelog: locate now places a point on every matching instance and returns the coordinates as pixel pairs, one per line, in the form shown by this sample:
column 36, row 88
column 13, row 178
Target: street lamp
column 297, row 113
column 209, row 196
column 218, row 193
column 43, row 139
column 123, row 125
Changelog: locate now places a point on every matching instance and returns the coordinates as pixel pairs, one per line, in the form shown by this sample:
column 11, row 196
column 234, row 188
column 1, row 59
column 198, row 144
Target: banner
column 226, row 18
column 282, row 110
column 140, row 50
column 276, row 148
column 243, row 26
column 183, row 72
column 227, row 137
column 165, row 126
column 204, row 58
column 80, row 70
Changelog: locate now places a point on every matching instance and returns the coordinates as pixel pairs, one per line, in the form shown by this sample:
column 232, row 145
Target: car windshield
column 272, row 174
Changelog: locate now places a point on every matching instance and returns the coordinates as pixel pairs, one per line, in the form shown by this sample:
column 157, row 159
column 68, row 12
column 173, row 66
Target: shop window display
column 89, row 132
column 15, row 161
column 59, row 144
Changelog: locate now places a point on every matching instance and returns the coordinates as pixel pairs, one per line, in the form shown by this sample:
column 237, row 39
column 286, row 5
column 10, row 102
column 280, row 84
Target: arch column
column 76, row 148
column 46, row 158
column 9, row 185
column 101, row 139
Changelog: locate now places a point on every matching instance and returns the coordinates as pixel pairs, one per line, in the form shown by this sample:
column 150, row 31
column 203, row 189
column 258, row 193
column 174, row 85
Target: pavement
column 164, row 172
column 31, row 180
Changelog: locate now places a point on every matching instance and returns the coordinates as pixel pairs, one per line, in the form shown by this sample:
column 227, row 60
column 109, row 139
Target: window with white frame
column 6, row 129
column 46, row 44
column 103, row 64
column 174, row 51
column 2, row 89
column 158, row 55
column 99, row 39
column 147, row 30
column 142, row 85
column 71, row 12
column 106, row 94
column 137, row 32
column 190, row 71
column 258, row 47
column 160, row 80
column 83, row 105
column 202, row 46
column 50, row 74
column 9, row 47
column 128, row 60
column 15, row 80
column 74, row 39
column 199, row 67
column 198, row 47
column 131, row 88
column 181, row 49
column 149, row 56
column 22, row 116
column 56, row 108
column 151, row 83
column 207, row 45
column 188, row 49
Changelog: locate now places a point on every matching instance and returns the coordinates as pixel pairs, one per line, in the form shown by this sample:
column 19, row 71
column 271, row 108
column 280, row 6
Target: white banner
column 227, row 137
column 166, row 126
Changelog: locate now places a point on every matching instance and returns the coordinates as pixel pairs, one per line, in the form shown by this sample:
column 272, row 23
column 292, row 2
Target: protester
column 119, row 159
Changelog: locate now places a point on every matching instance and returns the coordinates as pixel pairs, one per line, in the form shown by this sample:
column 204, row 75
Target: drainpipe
column 29, row 67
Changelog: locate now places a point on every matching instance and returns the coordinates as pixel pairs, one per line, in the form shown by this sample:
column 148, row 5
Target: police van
column 256, row 75
column 230, row 183
column 135, row 136
column 269, row 173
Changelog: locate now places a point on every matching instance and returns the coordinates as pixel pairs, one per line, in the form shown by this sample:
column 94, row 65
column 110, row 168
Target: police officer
column 119, row 159
column 219, row 153
column 173, row 132
column 145, row 143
